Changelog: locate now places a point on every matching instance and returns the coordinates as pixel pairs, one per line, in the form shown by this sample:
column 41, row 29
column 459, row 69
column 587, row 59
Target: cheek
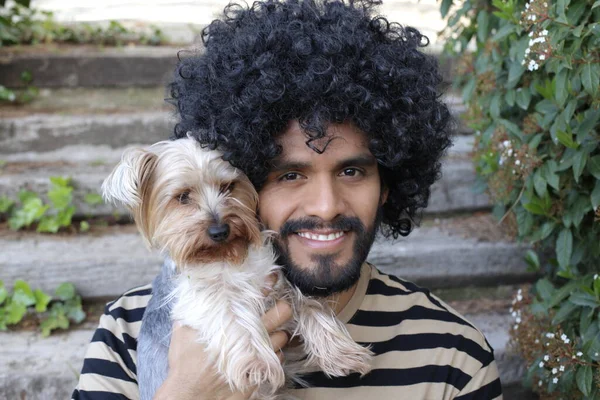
column 274, row 209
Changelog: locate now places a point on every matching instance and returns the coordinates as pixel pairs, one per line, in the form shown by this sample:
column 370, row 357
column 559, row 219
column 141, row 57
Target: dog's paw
column 266, row 374
column 350, row 358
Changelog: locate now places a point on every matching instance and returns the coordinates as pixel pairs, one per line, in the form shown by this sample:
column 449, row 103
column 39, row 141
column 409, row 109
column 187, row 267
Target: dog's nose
column 218, row 233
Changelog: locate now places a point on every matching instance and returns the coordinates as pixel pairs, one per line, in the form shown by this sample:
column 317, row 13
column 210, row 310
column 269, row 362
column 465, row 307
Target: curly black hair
column 318, row 62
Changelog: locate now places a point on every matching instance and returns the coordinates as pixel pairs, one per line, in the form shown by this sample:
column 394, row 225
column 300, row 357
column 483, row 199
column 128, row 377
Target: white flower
column 544, row 32
column 546, row 357
column 527, row 51
column 531, row 42
column 506, row 143
column 540, row 382
column 541, row 364
column 545, row 4
column 595, row 354
column 550, row 335
column 516, row 327
column 555, row 380
column 567, row 341
column 595, row 276
column 519, row 297
column 510, row 152
column 563, row 337
column 527, row 6
column 533, row 18
column 547, row 344
column 561, row 368
column 554, row 371
column 518, row 320
column 514, row 313
column 537, row 341
column 530, row 34
column 579, row 354
column 542, row 57
column 518, row 162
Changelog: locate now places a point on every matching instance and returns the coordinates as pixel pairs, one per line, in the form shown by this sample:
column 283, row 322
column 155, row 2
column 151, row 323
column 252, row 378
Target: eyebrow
column 363, row 160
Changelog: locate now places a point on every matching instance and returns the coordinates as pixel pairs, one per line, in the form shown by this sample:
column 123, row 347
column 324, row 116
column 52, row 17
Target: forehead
column 342, row 141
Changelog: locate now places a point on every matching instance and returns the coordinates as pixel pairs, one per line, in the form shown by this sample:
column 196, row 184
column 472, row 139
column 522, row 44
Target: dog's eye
column 226, row 188
column 184, row 197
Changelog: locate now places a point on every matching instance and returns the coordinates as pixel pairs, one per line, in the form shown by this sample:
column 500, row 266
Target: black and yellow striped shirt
column 423, row 348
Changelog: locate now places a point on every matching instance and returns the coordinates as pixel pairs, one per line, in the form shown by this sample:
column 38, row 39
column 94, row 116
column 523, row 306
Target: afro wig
column 319, row 63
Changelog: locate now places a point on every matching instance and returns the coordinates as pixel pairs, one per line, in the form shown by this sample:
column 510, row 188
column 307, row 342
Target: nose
column 322, row 200
column 218, row 232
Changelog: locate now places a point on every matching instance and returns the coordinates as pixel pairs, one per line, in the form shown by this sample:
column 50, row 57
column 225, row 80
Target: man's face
column 325, row 207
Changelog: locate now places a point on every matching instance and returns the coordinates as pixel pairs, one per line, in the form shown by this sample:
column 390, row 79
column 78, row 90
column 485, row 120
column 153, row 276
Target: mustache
column 341, row 223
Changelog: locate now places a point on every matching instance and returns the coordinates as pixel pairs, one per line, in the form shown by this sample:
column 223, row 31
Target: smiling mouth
column 321, row 237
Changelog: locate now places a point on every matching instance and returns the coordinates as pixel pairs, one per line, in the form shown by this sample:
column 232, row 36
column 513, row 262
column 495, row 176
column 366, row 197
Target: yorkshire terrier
column 200, row 212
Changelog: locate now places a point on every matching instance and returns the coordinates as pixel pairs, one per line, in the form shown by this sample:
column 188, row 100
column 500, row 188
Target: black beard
column 326, row 277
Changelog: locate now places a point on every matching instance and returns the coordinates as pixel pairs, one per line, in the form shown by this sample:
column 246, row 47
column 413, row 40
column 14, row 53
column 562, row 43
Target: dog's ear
column 130, row 178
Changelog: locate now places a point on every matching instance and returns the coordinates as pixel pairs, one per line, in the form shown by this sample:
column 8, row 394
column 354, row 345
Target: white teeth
column 321, row 238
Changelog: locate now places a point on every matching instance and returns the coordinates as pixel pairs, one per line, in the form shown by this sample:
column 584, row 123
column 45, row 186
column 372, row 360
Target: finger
column 269, row 283
column 279, row 339
column 277, row 316
column 280, row 356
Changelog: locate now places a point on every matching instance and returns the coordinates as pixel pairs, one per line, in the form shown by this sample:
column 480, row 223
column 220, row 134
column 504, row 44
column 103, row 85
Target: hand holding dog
column 190, row 378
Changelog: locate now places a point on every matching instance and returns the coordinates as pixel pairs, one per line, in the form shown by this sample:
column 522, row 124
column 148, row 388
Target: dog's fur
column 176, row 191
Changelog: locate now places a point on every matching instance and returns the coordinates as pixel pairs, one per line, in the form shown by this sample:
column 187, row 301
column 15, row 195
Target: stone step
column 88, row 166
column 95, row 66
column 451, row 252
column 39, row 368
column 112, row 117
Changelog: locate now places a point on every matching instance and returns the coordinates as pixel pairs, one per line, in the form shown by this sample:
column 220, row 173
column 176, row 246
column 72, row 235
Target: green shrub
column 21, row 24
column 50, row 312
column 529, row 74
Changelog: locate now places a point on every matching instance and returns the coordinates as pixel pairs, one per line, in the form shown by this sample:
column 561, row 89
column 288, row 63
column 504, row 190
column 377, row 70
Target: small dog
column 201, row 213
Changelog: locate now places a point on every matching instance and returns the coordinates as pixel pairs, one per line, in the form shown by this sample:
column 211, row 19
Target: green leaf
column 495, row 105
column 22, row 293
column 60, row 197
column 84, row 226
column 590, row 78
column 41, row 300
column 595, row 197
column 515, row 72
column 565, row 311
column 579, row 164
column 534, row 208
column 3, row 293
column 5, row 204
column 563, row 293
column 60, row 181
column 48, row 224
column 596, row 4
column 584, row 299
column 539, row 183
column 566, row 139
column 564, row 247
column 545, row 289
column 588, row 123
column 482, row 25
column 523, row 98
column 509, row 97
column 445, row 7
column 65, row 291
column 561, row 90
column 531, row 258
column 594, row 166
column 14, row 312
column 583, row 378
column 93, row 199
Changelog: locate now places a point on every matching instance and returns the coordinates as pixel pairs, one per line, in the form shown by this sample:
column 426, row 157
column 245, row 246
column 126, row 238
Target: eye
column 290, row 176
column 226, row 188
column 351, row 172
column 184, row 197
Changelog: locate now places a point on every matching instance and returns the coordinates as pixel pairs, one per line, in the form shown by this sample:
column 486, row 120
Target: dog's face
column 188, row 201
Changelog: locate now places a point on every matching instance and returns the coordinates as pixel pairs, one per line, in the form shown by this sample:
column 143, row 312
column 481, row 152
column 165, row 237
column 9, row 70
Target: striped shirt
column 423, row 348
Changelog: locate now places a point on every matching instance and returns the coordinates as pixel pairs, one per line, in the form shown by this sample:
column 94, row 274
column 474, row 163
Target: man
column 334, row 115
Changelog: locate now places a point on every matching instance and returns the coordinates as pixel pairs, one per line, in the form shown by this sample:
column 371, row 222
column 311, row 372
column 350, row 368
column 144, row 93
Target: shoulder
column 109, row 367
column 394, row 302
column 410, row 329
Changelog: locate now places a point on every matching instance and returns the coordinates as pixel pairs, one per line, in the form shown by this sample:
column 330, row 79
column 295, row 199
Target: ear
column 384, row 195
column 128, row 181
